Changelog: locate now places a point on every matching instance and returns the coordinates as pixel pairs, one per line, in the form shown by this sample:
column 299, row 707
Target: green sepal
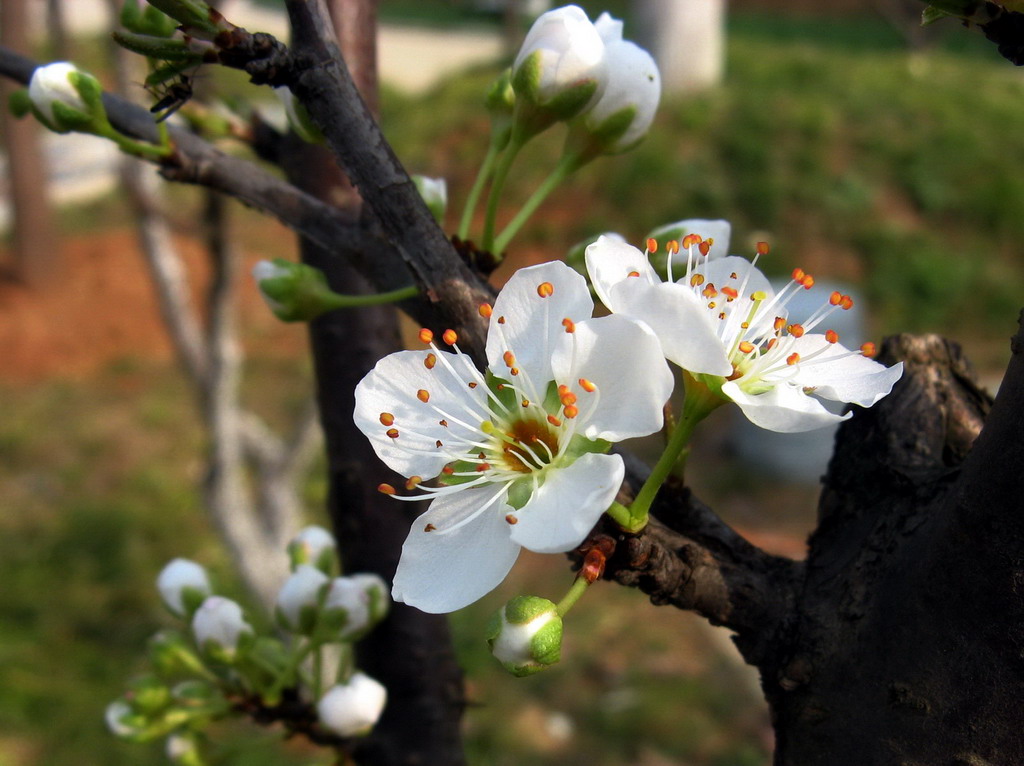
column 149, row 695
column 66, row 119
column 580, row 445
column 19, row 103
column 500, row 98
column 194, row 15
column 146, row 21
column 526, row 79
column 155, row 47
column 571, row 101
column 614, row 126
column 171, row 655
column 501, row 389
column 519, row 494
column 192, row 599
column 459, row 466
column 545, row 648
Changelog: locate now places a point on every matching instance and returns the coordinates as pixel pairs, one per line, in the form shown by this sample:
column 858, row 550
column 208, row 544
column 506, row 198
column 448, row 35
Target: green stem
column 346, row 663
column 291, row 669
column 333, row 301
column 579, row 587
column 318, row 672
column 565, row 167
column 698, row 403
column 493, row 197
column 486, row 169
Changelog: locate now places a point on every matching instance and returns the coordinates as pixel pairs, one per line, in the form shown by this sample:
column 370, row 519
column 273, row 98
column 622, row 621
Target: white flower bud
column 352, row 708
column 299, row 599
column 119, row 719
column 51, row 84
column 183, row 585
column 354, row 604
column 561, row 63
column 526, row 635
column 219, row 624
column 609, row 27
column 623, row 113
column 312, row 545
column 435, row 193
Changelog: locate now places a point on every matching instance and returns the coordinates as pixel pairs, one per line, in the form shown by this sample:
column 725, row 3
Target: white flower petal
column 718, row 230
column 533, row 324
column 570, row 48
column 682, row 322
column 633, row 82
column 609, row 27
column 611, row 260
column 623, row 358
column 51, row 84
column 562, row 512
column 443, row 571
column 391, row 387
column 784, row 408
column 852, row 378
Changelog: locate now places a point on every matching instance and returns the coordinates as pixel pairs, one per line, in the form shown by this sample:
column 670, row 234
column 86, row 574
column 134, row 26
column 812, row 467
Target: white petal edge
column 440, row 572
column 611, row 260
column 533, row 324
column 784, row 409
column 851, row 378
column 623, row 358
column 392, row 386
column 560, row 514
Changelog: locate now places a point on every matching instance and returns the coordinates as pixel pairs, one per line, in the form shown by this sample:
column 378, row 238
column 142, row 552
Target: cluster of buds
column 216, row 664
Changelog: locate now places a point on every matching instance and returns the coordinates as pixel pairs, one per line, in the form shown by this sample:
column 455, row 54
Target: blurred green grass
column 852, row 158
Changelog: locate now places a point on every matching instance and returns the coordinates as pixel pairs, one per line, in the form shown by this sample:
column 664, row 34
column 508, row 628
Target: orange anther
column 438, row 444
column 771, row 343
column 868, row 349
column 730, row 293
column 392, row 433
column 721, row 315
column 652, row 245
column 796, row 330
column 510, row 359
column 526, row 402
column 746, row 346
column 569, row 325
column 387, row 419
column 587, row 385
column 472, row 384
column 570, row 411
column 831, row 336
column 447, row 470
column 762, row 248
column 807, row 282
column 423, row 395
column 779, row 323
column 450, row 337
column 709, row 291
column 835, row 298
column 429, row 361
column 672, row 246
column 513, row 371
column 847, row 303
column 511, row 519
column 413, row 481
column 545, row 289
column 705, row 246
column 501, row 320
column 485, row 310
column 483, row 467
column 798, row 274
column 443, row 423
column 793, row 358
column 633, row 274
column 554, row 421
column 734, row 275
column 563, row 389
column 690, row 240
column 385, row 489
column 696, row 280
column 568, row 398
column 429, row 528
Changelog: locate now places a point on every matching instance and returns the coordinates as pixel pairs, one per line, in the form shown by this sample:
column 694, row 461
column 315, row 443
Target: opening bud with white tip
column 299, row 600
column 313, row 545
column 295, row 292
column 352, row 708
column 64, row 98
column 182, row 749
column 435, row 193
column 525, row 635
column 220, row 630
column 353, row 605
column 183, row 585
column 122, row 721
column 559, row 71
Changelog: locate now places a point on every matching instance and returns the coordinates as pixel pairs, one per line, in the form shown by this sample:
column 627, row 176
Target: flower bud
column 123, row 721
column 559, row 70
column 435, row 193
column 171, row 655
column 298, row 117
column 352, row 708
column 298, row 601
column 218, row 627
column 65, row 98
column 525, row 635
column 353, row 605
column 183, row 585
column 182, row 749
column 295, row 292
column 313, row 545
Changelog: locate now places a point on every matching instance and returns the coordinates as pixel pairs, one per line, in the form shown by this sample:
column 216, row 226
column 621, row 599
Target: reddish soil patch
column 101, row 307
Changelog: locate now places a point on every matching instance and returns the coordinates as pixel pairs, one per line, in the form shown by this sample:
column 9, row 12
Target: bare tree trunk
column 35, row 248
column 411, row 652
column 57, row 30
column 686, row 38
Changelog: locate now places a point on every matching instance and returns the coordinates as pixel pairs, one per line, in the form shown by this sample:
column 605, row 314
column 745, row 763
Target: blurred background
column 866, row 150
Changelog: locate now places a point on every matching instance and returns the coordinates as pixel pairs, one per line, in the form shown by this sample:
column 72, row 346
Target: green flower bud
column 183, row 750
column 435, row 193
column 171, row 654
column 525, row 635
column 65, row 99
column 148, row 695
column 293, row 291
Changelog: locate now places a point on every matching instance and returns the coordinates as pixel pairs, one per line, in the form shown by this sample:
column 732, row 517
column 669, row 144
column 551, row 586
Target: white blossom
column 300, row 596
column 722, row 322
column 352, row 708
column 52, row 84
column 177, row 578
column 219, row 622
column 310, row 545
column 518, row 449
